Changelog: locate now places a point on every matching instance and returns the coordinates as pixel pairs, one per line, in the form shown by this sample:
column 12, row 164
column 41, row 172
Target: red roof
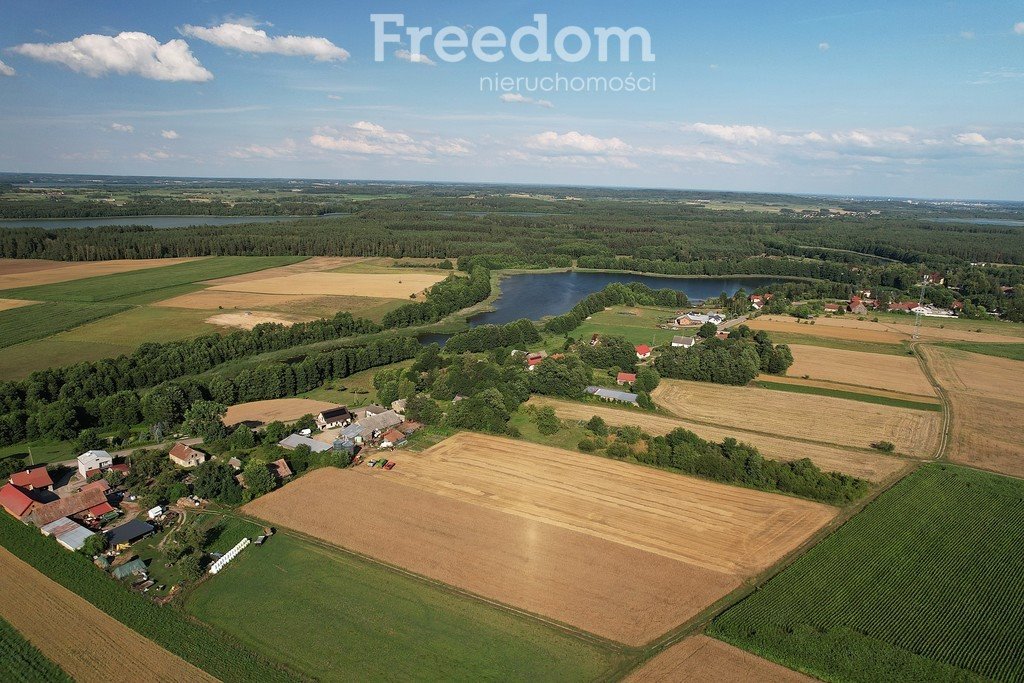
column 393, row 435
column 280, row 467
column 534, row 361
column 99, row 484
column 101, row 509
column 37, row 478
column 643, row 349
column 626, row 377
column 14, row 500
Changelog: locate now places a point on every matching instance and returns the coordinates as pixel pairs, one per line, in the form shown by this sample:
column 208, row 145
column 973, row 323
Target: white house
column 683, row 342
column 91, row 461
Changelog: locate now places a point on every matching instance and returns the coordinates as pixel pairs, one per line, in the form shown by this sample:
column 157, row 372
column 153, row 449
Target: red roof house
column 643, row 351
column 36, row 478
column 280, row 468
column 625, row 378
column 101, row 509
column 15, row 500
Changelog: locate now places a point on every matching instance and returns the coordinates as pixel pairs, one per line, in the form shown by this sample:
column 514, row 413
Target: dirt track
column 876, row 370
column 987, row 405
column 84, row 641
column 700, row 658
column 250, row 319
column 283, row 409
column 821, row 418
column 870, row 466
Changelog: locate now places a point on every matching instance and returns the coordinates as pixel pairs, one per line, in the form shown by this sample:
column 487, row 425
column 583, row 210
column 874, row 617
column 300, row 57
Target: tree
column 191, row 566
column 57, row 420
column 598, row 426
column 647, row 379
column 547, row 422
column 258, row 479
column 94, row 545
column 205, row 420
column 423, row 409
column 707, row 330
column 215, row 480
column 87, row 440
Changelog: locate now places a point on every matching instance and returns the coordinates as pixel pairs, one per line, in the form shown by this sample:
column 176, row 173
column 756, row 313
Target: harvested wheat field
column 8, row 304
column 310, row 265
column 901, row 374
column 857, row 463
column 283, row 409
column 28, row 272
column 850, row 328
column 987, row 405
column 399, row 285
column 836, row 386
column 803, row 416
column 700, row 658
column 619, row 550
column 250, row 319
column 87, row 643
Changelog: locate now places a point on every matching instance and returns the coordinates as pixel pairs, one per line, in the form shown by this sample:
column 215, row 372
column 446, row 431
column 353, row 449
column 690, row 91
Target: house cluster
column 758, row 301
column 860, row 304
column 349, row 431
column 694, row 319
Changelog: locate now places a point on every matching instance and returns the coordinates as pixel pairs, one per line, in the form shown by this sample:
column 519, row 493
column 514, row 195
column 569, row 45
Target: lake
column 152, row 221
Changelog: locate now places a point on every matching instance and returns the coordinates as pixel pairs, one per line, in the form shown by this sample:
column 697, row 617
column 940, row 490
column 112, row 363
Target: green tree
column 647, row 379
column 707, row 330
column 205, row 420
column 94, row 545
column 547, row 422
column 598, row 426
column 258, row 479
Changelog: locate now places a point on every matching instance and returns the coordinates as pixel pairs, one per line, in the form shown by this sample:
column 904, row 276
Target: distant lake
column 1005, row 222
column 152, row 221
column 536, row 295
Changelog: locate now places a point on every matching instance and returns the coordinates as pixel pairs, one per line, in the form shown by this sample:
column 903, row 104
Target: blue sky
column 873, row 98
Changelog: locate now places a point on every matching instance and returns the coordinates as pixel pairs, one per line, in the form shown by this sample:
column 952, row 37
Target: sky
column 909, row 98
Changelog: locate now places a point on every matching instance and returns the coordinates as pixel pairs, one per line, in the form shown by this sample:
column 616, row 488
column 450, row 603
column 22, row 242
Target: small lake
column 152, row 221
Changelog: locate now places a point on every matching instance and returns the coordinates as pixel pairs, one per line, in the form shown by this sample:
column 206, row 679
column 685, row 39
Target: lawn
column 1011, row 351
column 352, row 391
column 638, row 324
column 135, row 283
column 851, row 395
column 24, row 324
column 349, row 619
column 925, row 584
column 43, row 453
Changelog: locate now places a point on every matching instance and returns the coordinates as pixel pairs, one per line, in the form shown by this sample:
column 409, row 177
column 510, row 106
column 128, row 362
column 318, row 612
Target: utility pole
column 920, row 305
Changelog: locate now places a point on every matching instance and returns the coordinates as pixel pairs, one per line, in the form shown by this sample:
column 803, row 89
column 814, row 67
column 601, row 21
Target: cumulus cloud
column 975, row 139
column 517, row 98
column 576, row 143
column 364, row 138
column 127, row 53
column 823, row 46
column 247, row 38
column 122, row 127
column 169, row 134
column 6, row 70
column 732, row 133
column 420, row 58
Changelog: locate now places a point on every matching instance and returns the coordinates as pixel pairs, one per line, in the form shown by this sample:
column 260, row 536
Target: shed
column 293, row 441
column 129, row 532
column 15, row 500
column 68, row 533
column 131, row 568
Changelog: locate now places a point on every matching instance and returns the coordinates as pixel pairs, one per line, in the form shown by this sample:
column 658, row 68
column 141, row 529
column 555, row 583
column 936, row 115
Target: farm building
column 293, row 441
column 334, row 417
column 33, row 479
column 625, row 378
column 235, row 463
column 93, row 461
column 280, row 468
column 344, row 446
column 132, row 568
column 381, row 421
column 680, row 341
column 643, row 352
column 398, row 405
column 364, row 412
column 856, row 305
column 186, row 456
column 698, row 319
column 612, row 395
column 16, row 501
column 129, row 533
column 67, row 532
column 68, row 506
column 392, row 439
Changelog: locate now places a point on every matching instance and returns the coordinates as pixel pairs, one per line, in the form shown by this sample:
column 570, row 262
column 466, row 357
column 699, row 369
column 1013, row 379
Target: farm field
column 396, row 285
column 700, row 658
column 924, row 584
column 349, row 618
column 310, row 265
column 40, row 320
column 87, row 643
column 901, row 374
column 851, row 391
column 309, row 306
column 864, row 464
column 495, row 518
column 987, row 404
column 8, row 304
column 802, row 416
column 22, row 661
column 32, row 272
column 892, row 329
column 284, row 409
column 1011, row 351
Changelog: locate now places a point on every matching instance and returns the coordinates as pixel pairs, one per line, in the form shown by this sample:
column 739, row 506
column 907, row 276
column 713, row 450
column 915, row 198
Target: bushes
column 197, row 643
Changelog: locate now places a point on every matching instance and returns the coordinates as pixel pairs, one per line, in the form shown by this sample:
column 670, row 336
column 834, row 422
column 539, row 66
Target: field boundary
column 797, row 388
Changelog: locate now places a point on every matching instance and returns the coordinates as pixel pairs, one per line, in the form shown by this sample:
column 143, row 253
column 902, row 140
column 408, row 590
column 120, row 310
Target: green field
column 20, row 660
column 637, row 324
column 901, row 349
column 926, row 584
column 131, row 284
column 1011, row 351
column 28, row 323
column 350, row 619
column 42, row 452
column 850, row 395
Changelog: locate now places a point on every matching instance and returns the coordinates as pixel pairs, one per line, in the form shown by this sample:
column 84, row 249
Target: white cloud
column 576, row 143
column 169, row 134
column 153, row 155
column 732, row 133
column 823, row 46
column 246, row 38
column 285, row 150
column 1018, row 28
column 971, row 139
column 126, row 53
column 6, row 70
column 334, row 97
column 364, row 138
column 122, row 127
column 967, row 35
column 419, row 58
column 517, row 98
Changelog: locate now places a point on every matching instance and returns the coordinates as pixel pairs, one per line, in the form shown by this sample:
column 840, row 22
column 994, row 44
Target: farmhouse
column 93, row 461
column 831, row 308
column 381, row 422
column 129, row 533
column 697, row 319
column 625, row 378
column 293, row 441
column 16, row 501
column 334, row 417
column 643, row 352
column 67, row 532
column 680, row 341
column 280, row 468
column 757, row 301
column 68, row 506
column 368, row 411
column 612, row 395
column 392, row 439
column 33, row 479
column 186, row 456
column 856, row 305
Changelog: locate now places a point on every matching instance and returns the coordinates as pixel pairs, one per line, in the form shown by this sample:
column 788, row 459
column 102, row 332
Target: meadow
column 638, row 324
column 924, row 584
column 349, row 618
column 1011, row 351
column 27, row 323
column 798, row 388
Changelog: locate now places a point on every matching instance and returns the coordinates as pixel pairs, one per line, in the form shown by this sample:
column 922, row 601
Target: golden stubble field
column 619, row 550
column 857, row 463
column 987, row 406
column 397, row 285
column 700, row 658
column 884, row 332
column 900, row 374
column 29, row 272
column 87, row 643
column 284, row 409
column 803, row 416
